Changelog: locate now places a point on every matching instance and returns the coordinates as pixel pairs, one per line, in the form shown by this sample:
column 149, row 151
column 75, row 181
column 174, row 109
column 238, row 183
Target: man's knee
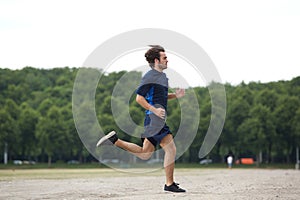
column 168, row 144
column 145, row 156
column 170, row 148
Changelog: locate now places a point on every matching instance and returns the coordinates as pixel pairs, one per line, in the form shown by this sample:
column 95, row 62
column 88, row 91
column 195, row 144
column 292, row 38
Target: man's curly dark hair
column 153, row 54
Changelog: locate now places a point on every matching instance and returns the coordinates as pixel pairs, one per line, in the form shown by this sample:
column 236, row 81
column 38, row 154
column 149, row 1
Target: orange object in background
column 245, row 161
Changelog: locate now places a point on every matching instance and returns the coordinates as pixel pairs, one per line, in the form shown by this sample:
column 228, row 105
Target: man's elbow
column 138, row 99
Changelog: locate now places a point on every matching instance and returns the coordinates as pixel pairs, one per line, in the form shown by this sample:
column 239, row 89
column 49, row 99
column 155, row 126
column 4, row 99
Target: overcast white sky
column 255, row 40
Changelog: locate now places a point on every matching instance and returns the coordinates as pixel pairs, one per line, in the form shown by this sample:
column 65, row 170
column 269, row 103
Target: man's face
column 163, row 62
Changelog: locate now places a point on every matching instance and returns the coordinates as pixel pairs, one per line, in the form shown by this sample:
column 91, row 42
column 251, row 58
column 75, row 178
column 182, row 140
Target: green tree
column 267, row 98
column 12, row 108
column 285, row 113
column 238, row 112
column 258, row 131
column 9, row 134
column 296, row 128
column 27, row 123
column 51, row 133
column 73, row 142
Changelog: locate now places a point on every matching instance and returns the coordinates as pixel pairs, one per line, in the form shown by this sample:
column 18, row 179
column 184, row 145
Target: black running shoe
column 111, row 136
column 174, row 188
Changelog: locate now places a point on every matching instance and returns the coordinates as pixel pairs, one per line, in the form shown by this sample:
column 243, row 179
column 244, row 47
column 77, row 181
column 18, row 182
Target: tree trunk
column 49, row 161
column 259, row 158
column 288, row 158
column 5, row 153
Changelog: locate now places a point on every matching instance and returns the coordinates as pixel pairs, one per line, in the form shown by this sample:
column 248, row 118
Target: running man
column 152, row 94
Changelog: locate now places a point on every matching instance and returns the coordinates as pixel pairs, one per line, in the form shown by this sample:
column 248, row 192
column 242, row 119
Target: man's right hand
column 160, row 112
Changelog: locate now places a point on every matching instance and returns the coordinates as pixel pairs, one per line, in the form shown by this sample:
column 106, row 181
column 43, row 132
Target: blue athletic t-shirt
column 154, row 88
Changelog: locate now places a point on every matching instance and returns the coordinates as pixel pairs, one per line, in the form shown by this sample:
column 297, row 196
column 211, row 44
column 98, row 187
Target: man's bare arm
column 160, row 112
column 178, row 94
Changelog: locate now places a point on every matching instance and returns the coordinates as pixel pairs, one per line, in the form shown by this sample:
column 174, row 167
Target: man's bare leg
column 143, row 152
column 169, row 147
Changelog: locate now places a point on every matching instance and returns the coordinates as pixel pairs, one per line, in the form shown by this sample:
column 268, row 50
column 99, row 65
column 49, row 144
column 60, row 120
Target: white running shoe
column 106, row 137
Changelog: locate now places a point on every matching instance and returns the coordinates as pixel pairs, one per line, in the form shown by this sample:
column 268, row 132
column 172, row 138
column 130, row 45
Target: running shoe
column 111, row 136
column 174, row 188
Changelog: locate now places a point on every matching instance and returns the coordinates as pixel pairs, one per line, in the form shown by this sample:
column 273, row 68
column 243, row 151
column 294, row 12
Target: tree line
column 36, row 119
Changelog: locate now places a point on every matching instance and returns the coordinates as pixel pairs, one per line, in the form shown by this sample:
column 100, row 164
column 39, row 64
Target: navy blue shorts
column 155, row 138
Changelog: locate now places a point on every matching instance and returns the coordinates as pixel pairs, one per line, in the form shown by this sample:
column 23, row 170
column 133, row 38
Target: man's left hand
column 180, row 93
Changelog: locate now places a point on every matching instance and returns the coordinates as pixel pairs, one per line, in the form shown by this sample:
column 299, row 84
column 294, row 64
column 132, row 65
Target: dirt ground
column 85, row 184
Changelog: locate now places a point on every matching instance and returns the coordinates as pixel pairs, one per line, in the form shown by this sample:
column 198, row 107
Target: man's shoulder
column 149, row 76
column 151, row 72
column 154, row 77
column 154, row 74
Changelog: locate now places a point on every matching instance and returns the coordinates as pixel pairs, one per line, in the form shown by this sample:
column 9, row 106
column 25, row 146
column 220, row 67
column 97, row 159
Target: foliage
column 36, row 120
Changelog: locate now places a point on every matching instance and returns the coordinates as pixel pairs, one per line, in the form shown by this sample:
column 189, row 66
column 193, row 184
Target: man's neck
column 157, row 68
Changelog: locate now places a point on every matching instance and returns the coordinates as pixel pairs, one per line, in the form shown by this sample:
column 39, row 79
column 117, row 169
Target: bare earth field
column 110, row 184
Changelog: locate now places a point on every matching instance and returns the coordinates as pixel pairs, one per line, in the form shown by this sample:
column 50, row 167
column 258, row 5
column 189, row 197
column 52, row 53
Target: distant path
column 109, row 184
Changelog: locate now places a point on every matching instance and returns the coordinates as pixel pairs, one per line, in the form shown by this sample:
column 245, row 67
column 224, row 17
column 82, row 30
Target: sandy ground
column 86, row 184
